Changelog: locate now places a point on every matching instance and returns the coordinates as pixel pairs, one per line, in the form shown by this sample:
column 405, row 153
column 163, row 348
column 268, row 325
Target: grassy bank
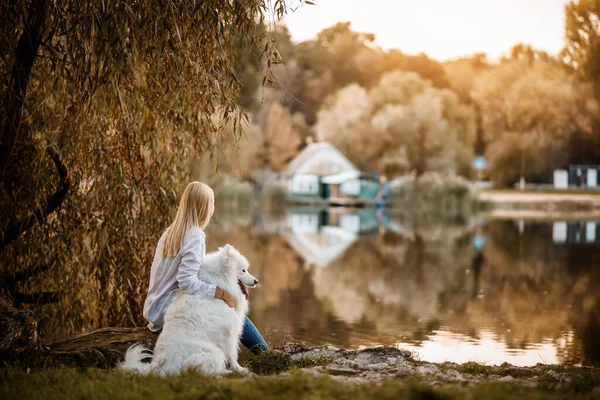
column 100, row 384
column 545, row 190
column 313, row 373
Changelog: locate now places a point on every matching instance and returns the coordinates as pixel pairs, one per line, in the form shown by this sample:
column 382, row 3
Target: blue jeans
column 252, row 339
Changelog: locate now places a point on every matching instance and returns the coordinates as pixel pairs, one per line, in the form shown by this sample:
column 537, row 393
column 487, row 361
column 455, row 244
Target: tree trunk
column 103, row 348
column 51, row 204
column 522, row 180
column 25, row 55
column 18, row 329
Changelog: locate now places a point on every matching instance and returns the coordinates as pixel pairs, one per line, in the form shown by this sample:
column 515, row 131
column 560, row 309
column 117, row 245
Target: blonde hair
column 194, row 211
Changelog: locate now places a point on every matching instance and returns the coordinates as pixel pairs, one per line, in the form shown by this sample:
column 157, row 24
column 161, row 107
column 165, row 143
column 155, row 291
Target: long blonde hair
column 195, row 210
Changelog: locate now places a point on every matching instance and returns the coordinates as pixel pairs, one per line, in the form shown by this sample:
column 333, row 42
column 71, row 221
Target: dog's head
column 237, row 263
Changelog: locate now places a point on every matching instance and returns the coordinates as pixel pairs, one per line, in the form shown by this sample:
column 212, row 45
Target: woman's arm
column 226, row 297
column 187, row 276
column 192, row 256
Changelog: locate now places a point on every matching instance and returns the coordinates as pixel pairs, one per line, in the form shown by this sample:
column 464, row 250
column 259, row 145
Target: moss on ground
column 111, row 384
column 273, row 362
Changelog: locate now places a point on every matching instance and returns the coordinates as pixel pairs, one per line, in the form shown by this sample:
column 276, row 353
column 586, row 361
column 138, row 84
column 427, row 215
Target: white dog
column 201, row 333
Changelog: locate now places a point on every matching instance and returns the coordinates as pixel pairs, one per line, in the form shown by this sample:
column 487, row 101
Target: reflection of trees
column 535, row 290
column 395, row 287
column 402, row 286
column 285, row 305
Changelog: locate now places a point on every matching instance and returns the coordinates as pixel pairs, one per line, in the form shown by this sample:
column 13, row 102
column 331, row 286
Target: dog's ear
column 227, row 253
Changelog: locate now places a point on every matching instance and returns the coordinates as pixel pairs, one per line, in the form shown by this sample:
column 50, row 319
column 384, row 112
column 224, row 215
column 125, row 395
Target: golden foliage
column 128, row 93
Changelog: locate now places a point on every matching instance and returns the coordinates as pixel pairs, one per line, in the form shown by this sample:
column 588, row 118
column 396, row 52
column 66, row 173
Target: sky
column 443, row 29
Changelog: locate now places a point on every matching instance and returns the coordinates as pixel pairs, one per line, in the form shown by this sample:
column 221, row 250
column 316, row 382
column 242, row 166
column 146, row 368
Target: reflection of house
column 576, row 232
column 321, row 236
column 323, row 247
column 321, row 172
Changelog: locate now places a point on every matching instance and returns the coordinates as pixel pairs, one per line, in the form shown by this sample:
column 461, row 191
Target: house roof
column 313, row 150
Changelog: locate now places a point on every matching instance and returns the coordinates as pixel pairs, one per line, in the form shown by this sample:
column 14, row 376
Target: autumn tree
column 538, row 99
column 337, row 57
column 463, row 72
column 104, row 104
column 281, row 137
column 424, row 66
column 582, row 50
column 403, row 122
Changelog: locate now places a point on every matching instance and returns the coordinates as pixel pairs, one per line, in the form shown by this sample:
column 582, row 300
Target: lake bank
column 316, row 372
column 568, row 200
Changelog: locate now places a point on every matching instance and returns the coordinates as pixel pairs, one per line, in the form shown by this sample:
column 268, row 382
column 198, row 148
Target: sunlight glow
column 440, row 28
column 488, row 349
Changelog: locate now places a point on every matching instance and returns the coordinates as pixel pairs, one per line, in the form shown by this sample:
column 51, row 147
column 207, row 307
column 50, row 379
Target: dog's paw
column 241, row 370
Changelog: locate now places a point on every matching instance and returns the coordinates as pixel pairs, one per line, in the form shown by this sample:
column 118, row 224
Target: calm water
column 461, row 289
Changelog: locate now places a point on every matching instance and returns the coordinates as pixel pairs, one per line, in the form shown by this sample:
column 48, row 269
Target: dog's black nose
column 256, row 281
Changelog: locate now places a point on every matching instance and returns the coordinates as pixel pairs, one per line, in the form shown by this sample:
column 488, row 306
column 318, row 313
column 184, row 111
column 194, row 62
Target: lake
column 449, row 289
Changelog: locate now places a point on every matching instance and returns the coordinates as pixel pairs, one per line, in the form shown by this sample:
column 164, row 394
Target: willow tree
column 582, row 50
column 103, row 106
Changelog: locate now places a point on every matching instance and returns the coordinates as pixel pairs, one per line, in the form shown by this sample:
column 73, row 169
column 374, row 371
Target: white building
column 316, row 160
column 321, row 172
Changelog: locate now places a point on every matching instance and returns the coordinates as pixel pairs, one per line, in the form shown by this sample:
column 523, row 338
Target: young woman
column 178, row 257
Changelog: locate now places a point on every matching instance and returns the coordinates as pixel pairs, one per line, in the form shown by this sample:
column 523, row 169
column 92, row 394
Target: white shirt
column 171, row 273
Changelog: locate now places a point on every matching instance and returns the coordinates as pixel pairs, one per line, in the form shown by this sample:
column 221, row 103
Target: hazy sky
column 441, row 28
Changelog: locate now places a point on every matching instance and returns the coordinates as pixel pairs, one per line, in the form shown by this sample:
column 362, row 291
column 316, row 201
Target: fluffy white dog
column 201, row 333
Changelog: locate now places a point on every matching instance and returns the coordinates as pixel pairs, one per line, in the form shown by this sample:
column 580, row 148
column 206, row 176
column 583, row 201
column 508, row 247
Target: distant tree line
column 529, row 112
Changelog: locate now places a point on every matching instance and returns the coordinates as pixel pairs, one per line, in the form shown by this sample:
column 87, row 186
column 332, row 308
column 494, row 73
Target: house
column 581, row 176
column 350, row 186
column 321, row 173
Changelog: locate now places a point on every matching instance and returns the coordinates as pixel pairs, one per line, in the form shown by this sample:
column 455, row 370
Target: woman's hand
column 226, row 297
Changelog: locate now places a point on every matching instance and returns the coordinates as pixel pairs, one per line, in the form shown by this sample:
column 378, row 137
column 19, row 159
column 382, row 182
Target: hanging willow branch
column 51, row 204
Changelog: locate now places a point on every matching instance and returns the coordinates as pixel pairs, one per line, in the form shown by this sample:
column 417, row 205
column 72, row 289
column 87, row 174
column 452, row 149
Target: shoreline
column 298, row 371
column 554, row 198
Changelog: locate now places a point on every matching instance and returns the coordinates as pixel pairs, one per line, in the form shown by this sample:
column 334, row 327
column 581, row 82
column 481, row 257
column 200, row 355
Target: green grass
column 473, row 368
column 70, row 383
column 110, row 384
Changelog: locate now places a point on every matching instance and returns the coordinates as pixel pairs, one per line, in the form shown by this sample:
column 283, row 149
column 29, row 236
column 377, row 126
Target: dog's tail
column 133, row 359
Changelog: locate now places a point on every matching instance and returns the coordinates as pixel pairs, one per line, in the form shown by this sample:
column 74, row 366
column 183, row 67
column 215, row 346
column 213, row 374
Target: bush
column 432, row 191
column 432, row 185
column 504, row 158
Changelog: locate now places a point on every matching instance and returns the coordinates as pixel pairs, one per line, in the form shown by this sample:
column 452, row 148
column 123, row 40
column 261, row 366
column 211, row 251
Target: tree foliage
column 104, row 104
column 582, row 50
column 336, row 58
column 537, row 98
column 521, row 97
column 401, row 124
column 272, row 138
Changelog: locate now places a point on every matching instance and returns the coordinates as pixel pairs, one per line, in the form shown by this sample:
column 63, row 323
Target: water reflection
column 457, row 289
column 576, row 232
